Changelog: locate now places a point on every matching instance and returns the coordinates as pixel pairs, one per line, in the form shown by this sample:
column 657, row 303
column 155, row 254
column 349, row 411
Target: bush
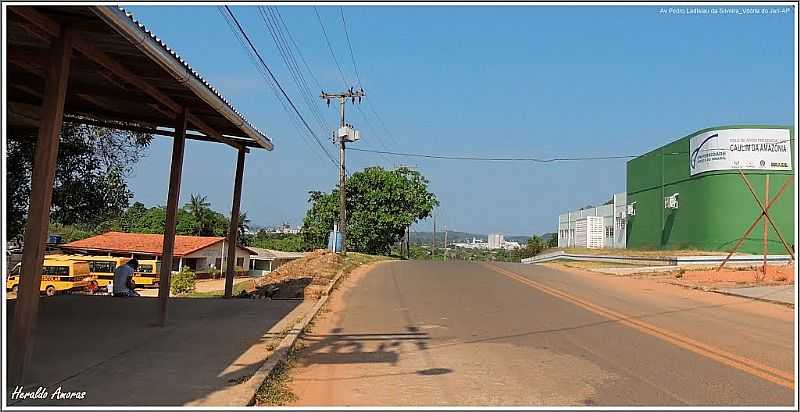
column 182, row 282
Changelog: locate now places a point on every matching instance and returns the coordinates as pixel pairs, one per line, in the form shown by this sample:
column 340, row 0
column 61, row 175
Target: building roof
column 270, row 254
column 144, row 243
column 121, row 75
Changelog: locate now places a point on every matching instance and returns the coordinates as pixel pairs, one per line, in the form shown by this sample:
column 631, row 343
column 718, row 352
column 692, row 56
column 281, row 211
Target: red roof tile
column 143, row 243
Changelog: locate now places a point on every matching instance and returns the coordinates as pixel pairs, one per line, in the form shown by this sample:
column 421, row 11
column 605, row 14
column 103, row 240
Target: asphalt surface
column 469, row 334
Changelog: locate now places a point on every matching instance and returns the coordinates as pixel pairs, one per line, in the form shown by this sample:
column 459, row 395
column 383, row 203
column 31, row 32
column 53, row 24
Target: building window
column 240, row 262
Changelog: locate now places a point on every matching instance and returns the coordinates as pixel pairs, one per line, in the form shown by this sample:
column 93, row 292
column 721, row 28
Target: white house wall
column 214, row 252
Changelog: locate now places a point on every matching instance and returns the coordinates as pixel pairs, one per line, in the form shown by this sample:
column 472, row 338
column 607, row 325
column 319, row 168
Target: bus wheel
column 50, row 291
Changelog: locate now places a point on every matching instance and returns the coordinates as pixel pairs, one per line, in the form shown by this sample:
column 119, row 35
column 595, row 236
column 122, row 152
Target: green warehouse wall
column 715, row 208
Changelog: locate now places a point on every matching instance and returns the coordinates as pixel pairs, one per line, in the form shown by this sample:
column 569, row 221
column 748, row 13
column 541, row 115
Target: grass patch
column 275, row 389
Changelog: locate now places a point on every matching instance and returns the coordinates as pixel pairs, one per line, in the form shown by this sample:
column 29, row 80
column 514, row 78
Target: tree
column 244, row 226
column 552, row 241
column 287, row 242
column 381, row 204
column 199, row 207
column 90, row 188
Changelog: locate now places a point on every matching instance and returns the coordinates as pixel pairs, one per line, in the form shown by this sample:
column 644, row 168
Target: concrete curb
column 712, row 290
column 282, row 351
column 777, row 302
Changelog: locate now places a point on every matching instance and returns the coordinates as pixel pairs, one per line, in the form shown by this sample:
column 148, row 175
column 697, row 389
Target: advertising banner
column 730, row 149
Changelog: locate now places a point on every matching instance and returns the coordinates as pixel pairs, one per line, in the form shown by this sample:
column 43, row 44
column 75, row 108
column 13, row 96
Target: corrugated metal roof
column 188, row 67
column 275, row 254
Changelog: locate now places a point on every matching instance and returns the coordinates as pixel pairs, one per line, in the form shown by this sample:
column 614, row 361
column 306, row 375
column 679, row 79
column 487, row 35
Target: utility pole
column 341, row 136
column 433, row 239
column 445, row 243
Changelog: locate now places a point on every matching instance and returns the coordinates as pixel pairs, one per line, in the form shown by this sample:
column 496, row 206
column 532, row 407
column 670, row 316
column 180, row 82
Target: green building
column 689, row 194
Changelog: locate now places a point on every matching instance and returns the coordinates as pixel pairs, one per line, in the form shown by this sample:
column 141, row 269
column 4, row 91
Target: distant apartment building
column 596, row 227
column 495, row 241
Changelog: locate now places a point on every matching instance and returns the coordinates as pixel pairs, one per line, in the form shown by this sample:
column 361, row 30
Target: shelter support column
column 176, row 169
column 233, row 230
column 44, row 168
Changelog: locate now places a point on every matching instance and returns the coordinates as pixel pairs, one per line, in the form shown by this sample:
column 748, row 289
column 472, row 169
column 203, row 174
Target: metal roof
column 101, row 95
column 271, row 254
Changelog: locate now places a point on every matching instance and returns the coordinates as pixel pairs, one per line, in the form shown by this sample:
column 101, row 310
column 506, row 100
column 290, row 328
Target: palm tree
column 198, row 207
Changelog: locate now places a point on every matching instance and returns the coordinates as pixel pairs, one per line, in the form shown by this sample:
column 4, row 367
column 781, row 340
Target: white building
column 495, row 241
column 597, row 227
column 474, row 244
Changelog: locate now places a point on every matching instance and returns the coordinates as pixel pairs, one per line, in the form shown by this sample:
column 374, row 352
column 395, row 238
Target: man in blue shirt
column 123, row 279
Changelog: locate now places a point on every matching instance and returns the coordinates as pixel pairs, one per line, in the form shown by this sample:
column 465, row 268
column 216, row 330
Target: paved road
column 442, row 333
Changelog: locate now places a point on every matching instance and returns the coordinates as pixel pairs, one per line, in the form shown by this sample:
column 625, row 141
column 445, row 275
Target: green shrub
column 182, row 282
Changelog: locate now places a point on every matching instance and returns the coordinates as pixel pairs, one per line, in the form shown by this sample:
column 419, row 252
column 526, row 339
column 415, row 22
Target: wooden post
column 766, row 224
column 44, row 169
column 766, row 215
column 755, row 223
column 233, row 230
column 176, row 169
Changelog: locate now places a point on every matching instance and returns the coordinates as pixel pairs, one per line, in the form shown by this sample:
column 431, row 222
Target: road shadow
column 338, row 347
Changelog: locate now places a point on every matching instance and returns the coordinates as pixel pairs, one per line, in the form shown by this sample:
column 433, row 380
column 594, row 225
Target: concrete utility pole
column 433, row 239
column 445, row 243
column 408, row 242
column 342, row 139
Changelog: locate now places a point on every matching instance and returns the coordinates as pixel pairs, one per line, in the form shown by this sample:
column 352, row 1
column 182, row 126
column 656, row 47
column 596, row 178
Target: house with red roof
column 199, row 253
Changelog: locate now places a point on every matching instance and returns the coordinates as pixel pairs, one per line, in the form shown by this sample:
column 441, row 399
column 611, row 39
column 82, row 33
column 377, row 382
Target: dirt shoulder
column 281, row 390
column 706, row 277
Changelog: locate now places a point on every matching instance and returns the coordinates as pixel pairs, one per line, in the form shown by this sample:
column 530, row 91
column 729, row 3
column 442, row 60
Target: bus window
column 100, row 266
column 56, row 270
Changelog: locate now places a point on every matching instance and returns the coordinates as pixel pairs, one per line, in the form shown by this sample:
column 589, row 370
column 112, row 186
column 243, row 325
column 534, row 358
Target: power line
column 272, row 76
column 350, row 46
column 497, row 159
column 358, row 78
column 299, row 52
column 330, row 47
column 287, row 55
column 251, row 56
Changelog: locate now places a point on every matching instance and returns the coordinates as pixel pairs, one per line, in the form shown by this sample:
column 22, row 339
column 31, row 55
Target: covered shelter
column 97, row 65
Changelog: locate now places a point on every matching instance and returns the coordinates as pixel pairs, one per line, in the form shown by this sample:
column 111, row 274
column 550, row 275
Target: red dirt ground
column 776, row 275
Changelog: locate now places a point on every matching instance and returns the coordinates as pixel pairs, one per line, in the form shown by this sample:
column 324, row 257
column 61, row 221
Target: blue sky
column 491, row 81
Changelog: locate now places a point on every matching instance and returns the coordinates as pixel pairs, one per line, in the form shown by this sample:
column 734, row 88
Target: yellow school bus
column 103, row 267
column 58, row 275
column 147, row 273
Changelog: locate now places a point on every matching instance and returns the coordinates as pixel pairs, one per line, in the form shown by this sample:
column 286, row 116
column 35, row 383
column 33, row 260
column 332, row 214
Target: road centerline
column 747, row 365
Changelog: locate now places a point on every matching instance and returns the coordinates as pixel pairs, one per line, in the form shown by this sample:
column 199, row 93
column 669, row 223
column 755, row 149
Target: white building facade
column 495, row 241
column 597, row 227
